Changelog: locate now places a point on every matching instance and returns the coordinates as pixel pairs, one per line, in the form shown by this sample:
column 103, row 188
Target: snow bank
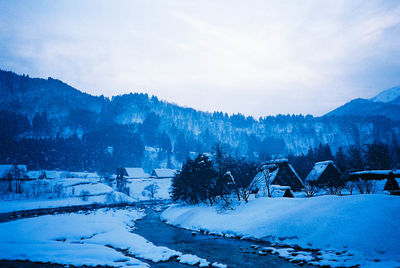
column 69, row 239
column 348, row 230
column 96, row 238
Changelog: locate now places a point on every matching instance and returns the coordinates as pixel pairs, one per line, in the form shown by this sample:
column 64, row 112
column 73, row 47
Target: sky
column 252, row 57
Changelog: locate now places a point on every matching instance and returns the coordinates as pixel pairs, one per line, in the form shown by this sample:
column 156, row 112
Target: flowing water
column 230, row 251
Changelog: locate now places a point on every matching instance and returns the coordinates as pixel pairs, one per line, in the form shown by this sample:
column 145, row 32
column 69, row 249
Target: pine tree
column 378, row 156
column 341, row 160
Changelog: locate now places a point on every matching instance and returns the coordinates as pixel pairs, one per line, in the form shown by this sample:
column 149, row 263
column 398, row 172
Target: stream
column 230, row 251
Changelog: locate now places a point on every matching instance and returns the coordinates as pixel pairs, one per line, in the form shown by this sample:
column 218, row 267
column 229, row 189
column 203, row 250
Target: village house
column 390, row 179
column 163, row 173
column 324, row 174
column 280, row 172
column 135, row 173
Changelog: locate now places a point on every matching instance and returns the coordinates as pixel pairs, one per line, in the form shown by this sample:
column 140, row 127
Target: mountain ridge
column 70, row 111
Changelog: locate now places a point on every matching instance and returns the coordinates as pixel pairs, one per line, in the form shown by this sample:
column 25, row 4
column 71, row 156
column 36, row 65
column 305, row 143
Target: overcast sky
column 252, row 57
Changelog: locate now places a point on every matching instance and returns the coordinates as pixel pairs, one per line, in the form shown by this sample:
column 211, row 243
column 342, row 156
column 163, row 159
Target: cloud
column 257, row 57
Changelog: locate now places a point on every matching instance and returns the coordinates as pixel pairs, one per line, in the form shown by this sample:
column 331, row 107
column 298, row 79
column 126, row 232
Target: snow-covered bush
column 85, row 195
column 310, row 188
column 366, row 186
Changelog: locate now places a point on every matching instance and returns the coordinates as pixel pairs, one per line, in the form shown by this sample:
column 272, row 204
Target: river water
column 229, row 251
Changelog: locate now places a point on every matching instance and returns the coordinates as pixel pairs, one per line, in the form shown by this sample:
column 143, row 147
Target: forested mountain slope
column 154, row 132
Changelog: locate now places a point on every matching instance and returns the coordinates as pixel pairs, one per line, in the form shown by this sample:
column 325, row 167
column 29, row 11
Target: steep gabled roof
column 164, row 172
column 275, row 167
column 136, row 173
column 318, row 169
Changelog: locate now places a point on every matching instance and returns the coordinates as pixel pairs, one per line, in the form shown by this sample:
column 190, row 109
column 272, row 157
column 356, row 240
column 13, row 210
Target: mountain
column 386, row 104
column 136, row 129
column 388, row 95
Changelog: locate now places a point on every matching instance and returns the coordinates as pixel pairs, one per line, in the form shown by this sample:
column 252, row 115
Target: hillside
column 386, row 103
column 157, row 133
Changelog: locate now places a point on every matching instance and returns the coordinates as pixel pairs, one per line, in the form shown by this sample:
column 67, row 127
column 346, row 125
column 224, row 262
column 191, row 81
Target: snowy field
column 138, row 192
column 63, row 192
column 86, row 189
column 103, row 237
column 342, row 230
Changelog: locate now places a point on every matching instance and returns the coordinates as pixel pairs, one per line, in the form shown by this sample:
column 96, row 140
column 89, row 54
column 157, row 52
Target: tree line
column 210, row 178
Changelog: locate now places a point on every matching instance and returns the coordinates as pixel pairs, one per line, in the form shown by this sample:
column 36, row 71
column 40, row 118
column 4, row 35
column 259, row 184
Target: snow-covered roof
column 277, row 161
column 318, row 169
column 136, row 173
column 164, row 172
column 259, row 180
column 273, row 168
column 378, row 172
column 6, row 168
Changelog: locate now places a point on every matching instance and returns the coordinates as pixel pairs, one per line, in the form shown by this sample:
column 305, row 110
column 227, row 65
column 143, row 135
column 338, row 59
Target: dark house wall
column 286, row 177
column 330, row 174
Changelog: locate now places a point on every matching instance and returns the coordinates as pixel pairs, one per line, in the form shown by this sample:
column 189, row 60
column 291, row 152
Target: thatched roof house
column 391, row 176
column 324, row 173
column 164, row 173
column 136, row 173
column 280, row 173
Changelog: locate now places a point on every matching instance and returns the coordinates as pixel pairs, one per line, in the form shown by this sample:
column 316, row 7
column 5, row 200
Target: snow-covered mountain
column 388, row 95
column 69, row 111
column 386, row 104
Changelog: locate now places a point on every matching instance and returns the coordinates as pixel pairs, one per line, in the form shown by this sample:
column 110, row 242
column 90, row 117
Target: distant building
column 135, row 173
column 324, row 173
column 4, row 169
column 163, row 173
column 281, row 173
column 392, row 178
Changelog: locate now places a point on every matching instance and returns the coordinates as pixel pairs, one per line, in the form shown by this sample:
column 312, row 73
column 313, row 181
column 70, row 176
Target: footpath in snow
column 332, row 230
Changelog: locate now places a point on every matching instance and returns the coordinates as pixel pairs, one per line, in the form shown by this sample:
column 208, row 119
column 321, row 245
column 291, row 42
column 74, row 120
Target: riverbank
column 102, row 237
column 343, row 230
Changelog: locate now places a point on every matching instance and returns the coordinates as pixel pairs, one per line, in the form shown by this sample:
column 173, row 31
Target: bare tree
column 18, row 176
column 241, row 192
column 267, row 179
column 152, row 189
column 350, row 185
column 366, row 186
column 310, row 188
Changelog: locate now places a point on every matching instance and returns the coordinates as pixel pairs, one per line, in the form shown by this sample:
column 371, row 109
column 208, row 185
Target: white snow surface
column 164, row 172
column 364, row 229
column 318, row 169
column 76, row 239
column 72, row 190
column 378, row 172
column 136, row 173
column 60, row 174
column 137, row 188
column 85, row 239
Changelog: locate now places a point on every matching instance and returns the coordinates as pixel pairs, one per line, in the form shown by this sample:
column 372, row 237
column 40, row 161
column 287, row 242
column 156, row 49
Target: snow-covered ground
column 87, row 188
column 93, row 239
column 63, row 192
column 346, row 230
column 138, row 192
